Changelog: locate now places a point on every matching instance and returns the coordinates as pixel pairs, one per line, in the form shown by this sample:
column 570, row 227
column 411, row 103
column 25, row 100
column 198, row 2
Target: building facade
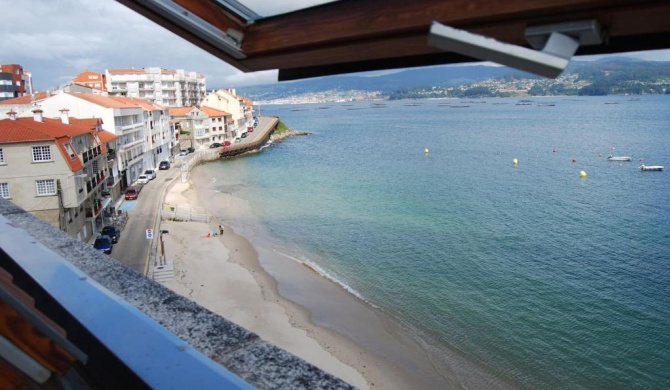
column 20, row 81
column 56, row 170
column 92, row 80
column 220, row 126
column 170, row 88
column 192, row 124
column 240, row 109
column 126, row 119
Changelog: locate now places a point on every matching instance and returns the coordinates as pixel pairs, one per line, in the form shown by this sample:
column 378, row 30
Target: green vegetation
column 281, row 127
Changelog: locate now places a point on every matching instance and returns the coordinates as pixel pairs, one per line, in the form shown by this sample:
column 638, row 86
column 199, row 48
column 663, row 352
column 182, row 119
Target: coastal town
column 107, row 160
column 70, row 155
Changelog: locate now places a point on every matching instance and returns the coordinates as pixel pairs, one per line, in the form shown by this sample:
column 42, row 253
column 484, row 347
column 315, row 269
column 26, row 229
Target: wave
column 325, row 274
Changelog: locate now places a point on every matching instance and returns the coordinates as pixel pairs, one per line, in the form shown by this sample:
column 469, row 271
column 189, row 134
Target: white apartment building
column 171, row 88
column 220, row 126
column 240, row 108
column 144, row 136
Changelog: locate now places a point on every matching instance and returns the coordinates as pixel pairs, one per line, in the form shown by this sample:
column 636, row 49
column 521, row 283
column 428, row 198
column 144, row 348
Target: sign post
column 150, row 234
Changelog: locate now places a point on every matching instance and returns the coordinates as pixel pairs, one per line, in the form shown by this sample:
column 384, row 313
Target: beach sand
column 223, row 274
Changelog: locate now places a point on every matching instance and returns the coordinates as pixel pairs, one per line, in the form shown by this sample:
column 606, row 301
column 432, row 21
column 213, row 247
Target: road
column 133, row 246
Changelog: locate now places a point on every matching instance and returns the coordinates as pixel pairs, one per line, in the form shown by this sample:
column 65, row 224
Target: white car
column 143, row 179
column 151, row 174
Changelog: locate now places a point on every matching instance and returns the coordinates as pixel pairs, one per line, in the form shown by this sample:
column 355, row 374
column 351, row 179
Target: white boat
column 619, row 158
column 651, row 167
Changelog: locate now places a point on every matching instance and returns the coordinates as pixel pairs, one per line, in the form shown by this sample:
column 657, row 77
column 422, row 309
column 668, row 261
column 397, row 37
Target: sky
column 58, row 39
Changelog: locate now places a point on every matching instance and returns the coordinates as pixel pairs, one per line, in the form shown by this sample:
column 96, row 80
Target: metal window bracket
column 558, row 43
column 230, row 42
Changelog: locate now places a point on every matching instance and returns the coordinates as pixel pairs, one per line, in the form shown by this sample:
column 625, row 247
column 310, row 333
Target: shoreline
column 245, row 293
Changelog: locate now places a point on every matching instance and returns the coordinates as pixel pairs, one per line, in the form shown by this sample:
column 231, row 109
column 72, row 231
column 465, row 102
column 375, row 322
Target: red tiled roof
column 105, row 101
column 25, row 99
column 246, row 101
column 212, row 112
column 180, row 111
column 74, row 163
column 90, row 122
column 29, row 130
column 106, row 136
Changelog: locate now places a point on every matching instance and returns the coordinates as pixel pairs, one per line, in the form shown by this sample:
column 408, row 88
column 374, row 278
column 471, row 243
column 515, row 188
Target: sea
column 551, row 273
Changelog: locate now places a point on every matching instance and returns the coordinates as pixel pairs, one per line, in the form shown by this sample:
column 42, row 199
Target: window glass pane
column 41, row 153
column 4, row 190
column 2, row 156
column 46, row 187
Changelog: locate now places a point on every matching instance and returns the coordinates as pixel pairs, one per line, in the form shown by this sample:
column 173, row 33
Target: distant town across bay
column 609, row 76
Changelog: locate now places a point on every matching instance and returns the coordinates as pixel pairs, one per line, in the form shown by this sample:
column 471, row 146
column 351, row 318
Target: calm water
column 545, row 279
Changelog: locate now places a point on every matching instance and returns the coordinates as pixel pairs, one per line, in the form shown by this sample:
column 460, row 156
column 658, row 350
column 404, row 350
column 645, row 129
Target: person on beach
column 221, row 229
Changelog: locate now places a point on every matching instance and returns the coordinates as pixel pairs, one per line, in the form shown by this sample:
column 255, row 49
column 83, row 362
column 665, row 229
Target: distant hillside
column 439, row 76
column 612, row 75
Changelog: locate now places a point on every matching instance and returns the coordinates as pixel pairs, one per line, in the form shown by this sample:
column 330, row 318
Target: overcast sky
column 57, row 39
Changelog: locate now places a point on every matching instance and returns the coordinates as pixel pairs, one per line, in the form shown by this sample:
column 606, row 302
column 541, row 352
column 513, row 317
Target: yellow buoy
column 515, row 161
column 426, row 151
column 582, row 174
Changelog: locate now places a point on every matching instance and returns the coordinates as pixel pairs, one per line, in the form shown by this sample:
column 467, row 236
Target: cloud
column 56, row 40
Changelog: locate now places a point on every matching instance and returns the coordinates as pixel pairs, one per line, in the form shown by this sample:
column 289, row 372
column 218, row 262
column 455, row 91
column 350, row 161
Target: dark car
column 112, row 232
column 244, row 135
column 132, row 192
column 191, row 150
column 215, row 145
column 103, row 244
column 164, row 165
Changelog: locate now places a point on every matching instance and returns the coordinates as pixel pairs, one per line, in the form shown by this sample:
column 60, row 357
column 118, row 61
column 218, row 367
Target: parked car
column 183, row 152
column 250, row 129
column 133, row 192
column 244, row 135
column 143, row 179
column 151, row 173
column 215, row 145
column 103, row 244
column 164, row 165
column 113, row 232
column 226, row 143
column 190, row 150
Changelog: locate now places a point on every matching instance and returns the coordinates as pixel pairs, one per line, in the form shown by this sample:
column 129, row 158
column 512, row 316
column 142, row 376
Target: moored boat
column 619, row 158
column 651, row 167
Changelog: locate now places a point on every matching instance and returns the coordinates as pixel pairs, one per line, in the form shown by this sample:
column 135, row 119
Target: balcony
column 118, row 345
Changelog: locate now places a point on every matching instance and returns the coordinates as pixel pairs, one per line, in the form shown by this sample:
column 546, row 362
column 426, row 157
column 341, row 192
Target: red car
column 132, row 193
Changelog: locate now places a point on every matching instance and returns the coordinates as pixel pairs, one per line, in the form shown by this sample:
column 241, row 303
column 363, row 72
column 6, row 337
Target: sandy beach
column 223, row 274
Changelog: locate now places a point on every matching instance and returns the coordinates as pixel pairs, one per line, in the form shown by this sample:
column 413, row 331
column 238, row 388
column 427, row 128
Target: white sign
column 150, row 234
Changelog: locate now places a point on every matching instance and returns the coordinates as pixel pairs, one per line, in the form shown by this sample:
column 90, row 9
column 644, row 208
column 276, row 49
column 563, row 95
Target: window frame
column 4, row 187
column 69, row 149
column 41, row 147
column 45, row 181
